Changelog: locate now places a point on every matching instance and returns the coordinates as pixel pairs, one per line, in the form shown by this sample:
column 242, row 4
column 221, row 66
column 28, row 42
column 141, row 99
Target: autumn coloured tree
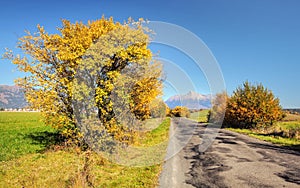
column 158, row 108
column 180, row 111
column 217, row 112
column 86, row 62
column 252, row 106
column 145, row 91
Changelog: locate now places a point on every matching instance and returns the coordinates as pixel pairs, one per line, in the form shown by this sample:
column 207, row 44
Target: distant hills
column 12, row 97
column 191, row 100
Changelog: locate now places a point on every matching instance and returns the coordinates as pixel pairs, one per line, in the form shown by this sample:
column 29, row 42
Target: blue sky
column 257, row 40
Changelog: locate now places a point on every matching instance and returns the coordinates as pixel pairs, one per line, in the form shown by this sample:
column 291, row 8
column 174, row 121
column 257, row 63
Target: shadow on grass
column 46, row 139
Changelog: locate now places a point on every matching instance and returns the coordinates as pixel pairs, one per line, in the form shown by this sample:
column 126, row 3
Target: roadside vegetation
column 93, row 72
column 285, row 133
column 255, row 111
column 97, row 87
column 200, row 116
column 32, row 156
column 252, row 107
column 156, row 136
column 179, row 111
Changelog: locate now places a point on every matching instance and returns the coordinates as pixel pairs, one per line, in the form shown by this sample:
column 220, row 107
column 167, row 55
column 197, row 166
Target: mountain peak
column 12, row 97
column 192, row 100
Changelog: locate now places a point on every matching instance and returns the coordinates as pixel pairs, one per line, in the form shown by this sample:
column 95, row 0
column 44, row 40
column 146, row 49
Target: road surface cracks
column 233, row 160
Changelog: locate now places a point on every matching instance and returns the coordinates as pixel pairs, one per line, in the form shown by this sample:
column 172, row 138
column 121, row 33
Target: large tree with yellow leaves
column 86, row 62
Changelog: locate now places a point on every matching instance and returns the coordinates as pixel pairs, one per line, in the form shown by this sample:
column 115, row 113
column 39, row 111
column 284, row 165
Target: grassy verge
column 69, row 167
column 200, row 116
column 157, row 135
column 283, row 133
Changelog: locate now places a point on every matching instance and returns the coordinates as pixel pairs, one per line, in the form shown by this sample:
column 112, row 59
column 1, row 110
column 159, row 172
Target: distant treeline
column 292, row 110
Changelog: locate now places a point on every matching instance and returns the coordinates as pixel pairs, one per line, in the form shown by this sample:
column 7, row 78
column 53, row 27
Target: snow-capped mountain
column 191, row 100
column 12, row 97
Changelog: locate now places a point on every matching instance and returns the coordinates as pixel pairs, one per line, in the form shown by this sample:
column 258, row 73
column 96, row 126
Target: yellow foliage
column 104, row 49
column 252, row 106
column 145, row 91
column 180, row 111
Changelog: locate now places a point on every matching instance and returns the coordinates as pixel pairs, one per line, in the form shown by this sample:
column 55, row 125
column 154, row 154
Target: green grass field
column 26, row 160
column 200, row 116
column 22, row 133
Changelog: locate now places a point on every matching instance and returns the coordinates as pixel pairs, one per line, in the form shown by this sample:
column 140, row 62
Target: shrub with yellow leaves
column 252, row 106
column 180, row 111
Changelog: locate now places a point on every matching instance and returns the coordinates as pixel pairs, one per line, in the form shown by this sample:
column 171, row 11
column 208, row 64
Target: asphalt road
column 232, row 160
